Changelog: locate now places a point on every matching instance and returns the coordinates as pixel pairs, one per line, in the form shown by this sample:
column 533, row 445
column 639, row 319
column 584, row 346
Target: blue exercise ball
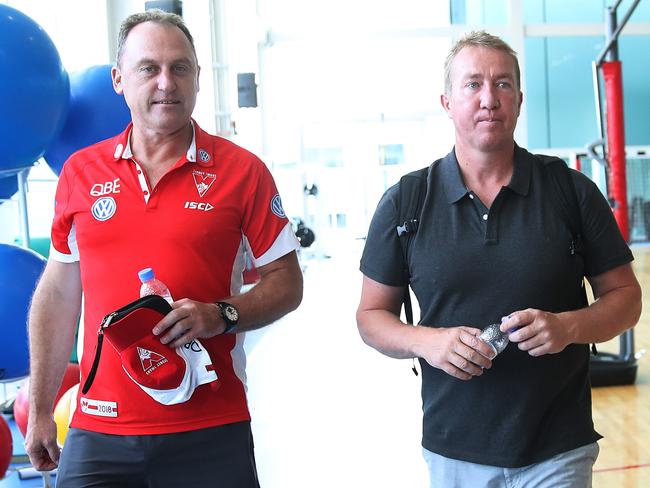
column 8, row 187
column 96, row 113
column 20, row 270
column 34, row 89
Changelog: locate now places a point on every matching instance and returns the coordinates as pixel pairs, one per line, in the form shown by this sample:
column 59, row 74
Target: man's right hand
column 40, row 443
column 457, row 351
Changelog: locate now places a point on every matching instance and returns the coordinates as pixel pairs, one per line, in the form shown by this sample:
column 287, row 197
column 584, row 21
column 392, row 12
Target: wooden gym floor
column 622, row 413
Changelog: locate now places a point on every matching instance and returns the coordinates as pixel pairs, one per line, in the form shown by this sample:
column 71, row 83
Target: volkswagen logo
column 104, row 208
column 276, row 207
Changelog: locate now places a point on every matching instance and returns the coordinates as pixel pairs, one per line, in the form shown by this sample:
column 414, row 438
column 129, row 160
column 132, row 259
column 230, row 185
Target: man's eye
column 503, row 84
column 147, row 69
column 181, row 68
column 472, row 84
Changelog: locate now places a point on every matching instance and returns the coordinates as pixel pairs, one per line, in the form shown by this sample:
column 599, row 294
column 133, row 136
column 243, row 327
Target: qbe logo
column 104, row 208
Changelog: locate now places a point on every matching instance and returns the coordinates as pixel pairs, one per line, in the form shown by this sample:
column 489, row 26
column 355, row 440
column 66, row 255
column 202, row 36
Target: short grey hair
column 153, row 15
column 479, row 39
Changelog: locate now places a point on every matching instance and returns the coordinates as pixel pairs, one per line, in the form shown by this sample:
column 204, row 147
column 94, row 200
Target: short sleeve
column 63, row 235
column 605, row 247
column 382, row 258
column 265, row 226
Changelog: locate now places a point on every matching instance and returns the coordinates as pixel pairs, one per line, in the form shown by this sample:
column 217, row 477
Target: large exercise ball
column 21, row 407
column 63, row 411
column 6, row 446
column 9, row 186
column 20, row 269
column 34, row 89
column 96, row 113
column 71, row 377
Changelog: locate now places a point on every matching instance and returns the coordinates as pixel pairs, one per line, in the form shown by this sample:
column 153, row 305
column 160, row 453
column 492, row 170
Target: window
column 390, row 154
column 331, row 157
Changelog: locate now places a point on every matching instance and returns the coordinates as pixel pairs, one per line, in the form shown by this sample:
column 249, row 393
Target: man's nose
column 166, row 81
column 489, row 98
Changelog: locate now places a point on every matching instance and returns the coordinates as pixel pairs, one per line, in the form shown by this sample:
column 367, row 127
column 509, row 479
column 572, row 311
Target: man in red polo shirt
column 167, row 195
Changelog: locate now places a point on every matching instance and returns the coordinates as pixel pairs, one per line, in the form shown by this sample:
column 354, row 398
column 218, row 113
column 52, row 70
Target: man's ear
column 116, row 75
column 198, row 73
column 444, row 101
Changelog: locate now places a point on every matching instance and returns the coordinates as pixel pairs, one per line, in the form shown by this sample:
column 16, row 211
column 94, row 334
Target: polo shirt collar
column 520, row 181
column 123, row 146
column 454, row 185
column 452, row 181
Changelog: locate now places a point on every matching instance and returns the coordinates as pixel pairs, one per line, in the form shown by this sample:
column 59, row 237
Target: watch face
column 231, row 313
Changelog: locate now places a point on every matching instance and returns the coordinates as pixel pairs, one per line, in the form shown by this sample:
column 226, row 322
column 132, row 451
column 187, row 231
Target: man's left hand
column 536, row 331
column 188, row 321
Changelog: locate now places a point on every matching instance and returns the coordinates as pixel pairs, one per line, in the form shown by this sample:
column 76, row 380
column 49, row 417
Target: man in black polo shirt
column 491, row 247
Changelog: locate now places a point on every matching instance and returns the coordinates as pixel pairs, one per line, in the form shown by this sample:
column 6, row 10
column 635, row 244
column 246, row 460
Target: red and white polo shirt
column 192, row 228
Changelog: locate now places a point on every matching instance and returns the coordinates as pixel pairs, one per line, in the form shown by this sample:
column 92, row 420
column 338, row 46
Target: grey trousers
column 571, row 469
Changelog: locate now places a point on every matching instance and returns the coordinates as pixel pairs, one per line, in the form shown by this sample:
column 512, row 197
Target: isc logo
column 206, row 207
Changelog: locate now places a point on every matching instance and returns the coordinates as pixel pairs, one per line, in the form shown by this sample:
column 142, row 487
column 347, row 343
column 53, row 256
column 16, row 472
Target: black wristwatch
column 230, row 316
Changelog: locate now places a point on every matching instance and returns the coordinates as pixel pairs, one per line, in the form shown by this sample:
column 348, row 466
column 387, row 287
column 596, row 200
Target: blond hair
column 479, row 39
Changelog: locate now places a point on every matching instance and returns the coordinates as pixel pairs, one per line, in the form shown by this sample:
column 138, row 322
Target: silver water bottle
column 493, row 336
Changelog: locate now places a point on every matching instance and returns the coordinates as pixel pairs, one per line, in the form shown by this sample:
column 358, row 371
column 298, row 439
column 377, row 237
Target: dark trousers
column 219, row 457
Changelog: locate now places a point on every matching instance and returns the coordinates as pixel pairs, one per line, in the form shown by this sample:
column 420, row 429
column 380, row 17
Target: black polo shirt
column 471, row 265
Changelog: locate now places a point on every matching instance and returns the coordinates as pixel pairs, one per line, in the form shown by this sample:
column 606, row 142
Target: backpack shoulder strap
column 412, row 191
column 564, row 198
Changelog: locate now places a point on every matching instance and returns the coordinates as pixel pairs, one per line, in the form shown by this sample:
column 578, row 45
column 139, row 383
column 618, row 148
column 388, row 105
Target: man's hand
column 538, row 332
column 40, row 443
column 457, row 351
column 188, row 321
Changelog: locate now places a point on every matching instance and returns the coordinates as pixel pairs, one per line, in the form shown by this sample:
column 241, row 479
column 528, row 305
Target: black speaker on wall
column 246, row 90
column 172, row 6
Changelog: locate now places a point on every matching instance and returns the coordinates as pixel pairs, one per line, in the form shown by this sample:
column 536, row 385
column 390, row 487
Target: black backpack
column 413, row 188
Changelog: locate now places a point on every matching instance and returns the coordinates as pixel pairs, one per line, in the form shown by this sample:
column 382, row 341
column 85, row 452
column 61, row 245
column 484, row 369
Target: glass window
column 331, row 157
column 579, row 11
column 337, row 221
column 478, row 12
column 559, row 90
column 334, row 16
column 390, row 154
column 638, row 197
column 633, row 52
column 561, row 11
column 560, row 98
column 536, row 92
column 86, row 19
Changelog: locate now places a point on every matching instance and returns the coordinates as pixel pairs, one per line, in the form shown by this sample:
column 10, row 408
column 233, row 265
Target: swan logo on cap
column 150, row 360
